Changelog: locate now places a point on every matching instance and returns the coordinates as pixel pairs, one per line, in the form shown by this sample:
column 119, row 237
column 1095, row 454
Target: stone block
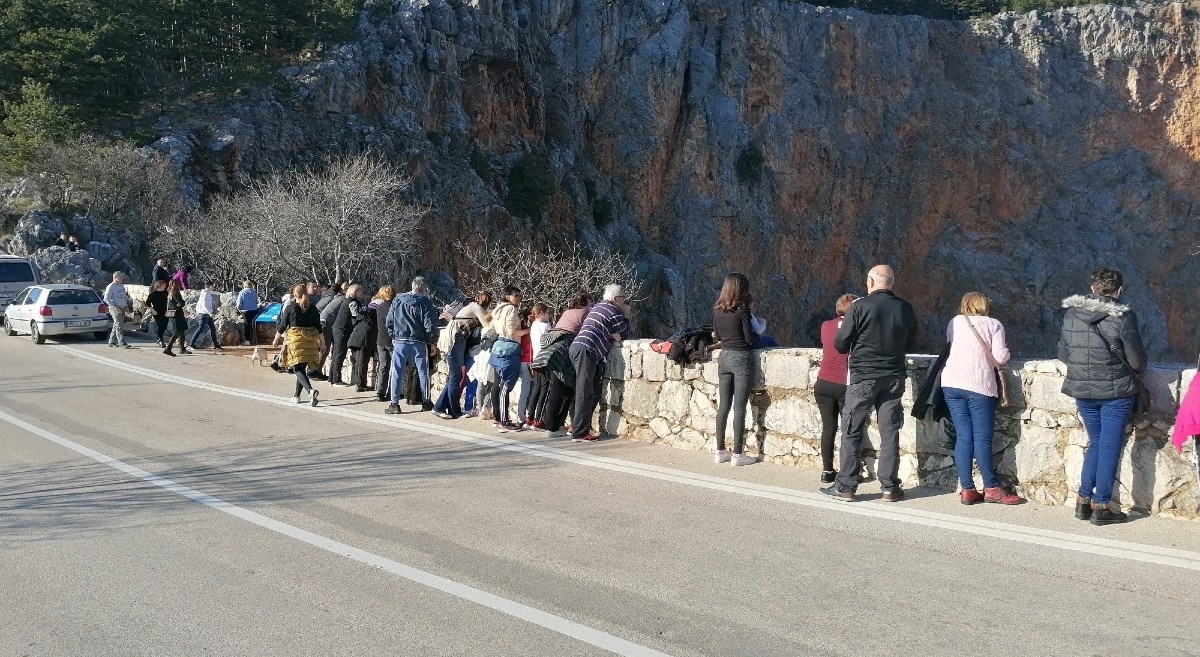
column 1045, row 392
column 614, row 368
column 693, row 372
column 927, row 436
column 691, row 439
column 674, row 371
column 634, row 364
column 1185, row 381
column 793, row 415
column 909, row 470
column 611, row 392
column 1037, row 456
column 660, row 427
column 654, row 366
column 1043, row 419
column 1163, row 384
column 640, row 398
column 674, row 400
column 775, row 445
column 786, row 369
column 710, row 369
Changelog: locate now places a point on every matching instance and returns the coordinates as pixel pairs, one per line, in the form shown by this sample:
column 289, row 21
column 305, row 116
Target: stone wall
column 228, row 321
column 1039, row 441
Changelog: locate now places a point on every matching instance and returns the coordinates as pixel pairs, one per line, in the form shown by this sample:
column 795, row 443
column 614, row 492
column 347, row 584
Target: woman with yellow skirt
column 301, row 327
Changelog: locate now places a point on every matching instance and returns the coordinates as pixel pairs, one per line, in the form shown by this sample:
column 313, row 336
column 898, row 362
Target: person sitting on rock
column 62, row 240
column 73, row 244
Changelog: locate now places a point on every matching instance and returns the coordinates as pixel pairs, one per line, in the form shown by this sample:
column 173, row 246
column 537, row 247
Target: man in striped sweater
column 603, row 326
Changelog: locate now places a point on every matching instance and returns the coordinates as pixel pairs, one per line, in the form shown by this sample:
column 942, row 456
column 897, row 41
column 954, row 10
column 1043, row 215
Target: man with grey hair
column 877, row 332
column 606, row 323
column 117, row 300
column 412, row 325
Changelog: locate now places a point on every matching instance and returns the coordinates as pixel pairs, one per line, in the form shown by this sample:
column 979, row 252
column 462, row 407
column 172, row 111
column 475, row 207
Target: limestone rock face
column 797, row 144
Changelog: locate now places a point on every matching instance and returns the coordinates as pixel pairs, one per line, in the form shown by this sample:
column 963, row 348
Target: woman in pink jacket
column 969, row 385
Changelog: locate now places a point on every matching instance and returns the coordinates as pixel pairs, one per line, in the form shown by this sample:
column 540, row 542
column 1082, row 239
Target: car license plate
column 79, row 324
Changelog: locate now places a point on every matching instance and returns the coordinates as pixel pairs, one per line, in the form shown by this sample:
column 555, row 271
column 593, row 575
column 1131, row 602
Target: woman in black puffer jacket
column 1097, row 335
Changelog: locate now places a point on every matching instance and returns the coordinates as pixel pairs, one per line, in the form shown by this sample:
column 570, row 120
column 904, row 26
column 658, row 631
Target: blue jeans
column 448, row 401
column 469, row 390
column 1105, row 421
column 404, row 351
column 974, row 417
column 206, row 321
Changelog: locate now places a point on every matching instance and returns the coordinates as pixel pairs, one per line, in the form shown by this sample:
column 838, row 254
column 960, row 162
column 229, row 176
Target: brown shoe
column 970, row 496
column 998, row 495
column 894, row 495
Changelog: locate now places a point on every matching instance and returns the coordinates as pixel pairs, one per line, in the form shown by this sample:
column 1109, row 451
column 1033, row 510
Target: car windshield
column 16, row 272
column 73, row 297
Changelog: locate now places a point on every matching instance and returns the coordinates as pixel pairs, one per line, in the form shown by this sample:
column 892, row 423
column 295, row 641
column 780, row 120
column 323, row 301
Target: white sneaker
column 742, row 459
column 296, row 399
column 556, row 434
column 722, row 455
column 245, row 343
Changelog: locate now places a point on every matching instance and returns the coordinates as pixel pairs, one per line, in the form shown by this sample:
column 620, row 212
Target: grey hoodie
column 1093, row 370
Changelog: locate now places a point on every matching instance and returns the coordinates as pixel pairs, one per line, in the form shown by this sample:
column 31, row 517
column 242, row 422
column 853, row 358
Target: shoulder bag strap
column 987, row 348
column 1120, row 355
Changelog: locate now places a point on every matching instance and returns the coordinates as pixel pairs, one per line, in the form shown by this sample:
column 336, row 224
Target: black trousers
column 383, row 377
column 302, row 382
column 735, row 370
column 883, row 395
column 160, row 324
column 588, row 371
column 558, row 403
column 337, row 355
column 360, row 359
column 537, row 395
column 251, row 330
column 831, row 399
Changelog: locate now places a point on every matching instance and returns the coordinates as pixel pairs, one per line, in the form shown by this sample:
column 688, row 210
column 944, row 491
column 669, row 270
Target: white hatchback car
column 49, row 310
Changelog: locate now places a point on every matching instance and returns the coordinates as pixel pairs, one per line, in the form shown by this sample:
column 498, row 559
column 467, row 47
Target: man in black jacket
column 877, row 332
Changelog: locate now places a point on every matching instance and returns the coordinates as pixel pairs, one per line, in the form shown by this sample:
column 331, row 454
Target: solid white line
column 526, row 613
column 1153, row 554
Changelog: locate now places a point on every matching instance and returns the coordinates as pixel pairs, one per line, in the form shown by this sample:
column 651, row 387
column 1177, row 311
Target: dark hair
column 1107, row 281
column 581, row 300
column 336, row 287
column 188, row 268
column 510, row 290
column 735, row 293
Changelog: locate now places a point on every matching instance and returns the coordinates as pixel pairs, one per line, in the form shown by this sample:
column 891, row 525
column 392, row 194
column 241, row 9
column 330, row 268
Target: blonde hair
column 386, row 293
column 974, row 303
column 353, row 290
column 300, row 294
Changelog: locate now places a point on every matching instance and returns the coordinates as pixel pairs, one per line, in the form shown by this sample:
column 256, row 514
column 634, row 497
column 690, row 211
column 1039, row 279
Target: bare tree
column 346, row 221
column 126, row 188
column 551, row 277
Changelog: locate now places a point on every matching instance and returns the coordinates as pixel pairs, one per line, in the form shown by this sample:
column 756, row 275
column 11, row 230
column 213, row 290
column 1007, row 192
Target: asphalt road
column 155, row 506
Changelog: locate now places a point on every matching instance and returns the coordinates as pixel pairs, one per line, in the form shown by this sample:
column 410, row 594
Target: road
column 155, row 506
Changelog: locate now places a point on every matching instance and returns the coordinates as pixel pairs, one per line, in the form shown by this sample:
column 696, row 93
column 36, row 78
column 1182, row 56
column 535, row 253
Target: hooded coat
column 554, row 357
column 1093, row 370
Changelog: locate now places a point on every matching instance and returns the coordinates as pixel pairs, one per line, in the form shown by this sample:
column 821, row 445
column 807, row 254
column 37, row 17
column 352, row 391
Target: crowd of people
column 493, row 347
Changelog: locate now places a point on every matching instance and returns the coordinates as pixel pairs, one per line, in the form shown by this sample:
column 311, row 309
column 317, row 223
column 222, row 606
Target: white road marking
column 1152, row 554
column 578, row 631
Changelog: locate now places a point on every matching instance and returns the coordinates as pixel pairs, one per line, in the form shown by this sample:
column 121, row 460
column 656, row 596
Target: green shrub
column 602, row 212
column 530, row 186
column 749, row 166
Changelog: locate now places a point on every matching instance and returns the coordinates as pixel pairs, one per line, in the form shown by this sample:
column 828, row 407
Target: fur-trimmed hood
column 1096, row 304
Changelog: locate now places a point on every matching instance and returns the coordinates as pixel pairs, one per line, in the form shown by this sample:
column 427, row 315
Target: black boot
column 828, row 476
column 1083, row 508
column 1106, row 514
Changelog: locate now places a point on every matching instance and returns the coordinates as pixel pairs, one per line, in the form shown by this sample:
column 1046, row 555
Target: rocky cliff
column 795, row 143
